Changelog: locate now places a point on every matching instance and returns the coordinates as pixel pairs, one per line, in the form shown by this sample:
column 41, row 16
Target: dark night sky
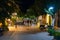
column 25, row 4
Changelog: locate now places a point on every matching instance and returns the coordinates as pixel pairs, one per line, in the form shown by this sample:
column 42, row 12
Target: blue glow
column 51, row 8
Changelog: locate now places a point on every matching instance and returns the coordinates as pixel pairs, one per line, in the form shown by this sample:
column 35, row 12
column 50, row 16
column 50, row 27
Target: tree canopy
column 21, row 6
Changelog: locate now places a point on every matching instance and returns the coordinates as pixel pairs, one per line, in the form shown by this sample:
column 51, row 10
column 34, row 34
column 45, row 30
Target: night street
column 29, row 19
column 26, row 35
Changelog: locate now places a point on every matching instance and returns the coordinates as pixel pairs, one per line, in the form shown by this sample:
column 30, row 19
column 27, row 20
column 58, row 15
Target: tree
column 6, row 9
column 37, row 8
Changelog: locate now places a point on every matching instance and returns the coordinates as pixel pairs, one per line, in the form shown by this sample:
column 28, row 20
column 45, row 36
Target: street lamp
column 50, row 8
column 50, row 12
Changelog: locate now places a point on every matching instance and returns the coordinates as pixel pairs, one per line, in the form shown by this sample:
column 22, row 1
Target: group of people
column 27, row 22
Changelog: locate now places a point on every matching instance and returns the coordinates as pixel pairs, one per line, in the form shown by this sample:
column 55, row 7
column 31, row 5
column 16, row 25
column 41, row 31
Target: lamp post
column 52, row 15
column 51, row 10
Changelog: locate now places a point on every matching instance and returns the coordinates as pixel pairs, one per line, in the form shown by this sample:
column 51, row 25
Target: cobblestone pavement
column 26, row 33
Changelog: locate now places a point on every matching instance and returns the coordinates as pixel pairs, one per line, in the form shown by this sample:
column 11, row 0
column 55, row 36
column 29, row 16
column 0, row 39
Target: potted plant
column 57, row 35
column 51, row 32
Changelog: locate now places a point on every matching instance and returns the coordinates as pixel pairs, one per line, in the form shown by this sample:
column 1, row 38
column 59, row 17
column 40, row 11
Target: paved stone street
column 32, row 34
column 23, row 36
